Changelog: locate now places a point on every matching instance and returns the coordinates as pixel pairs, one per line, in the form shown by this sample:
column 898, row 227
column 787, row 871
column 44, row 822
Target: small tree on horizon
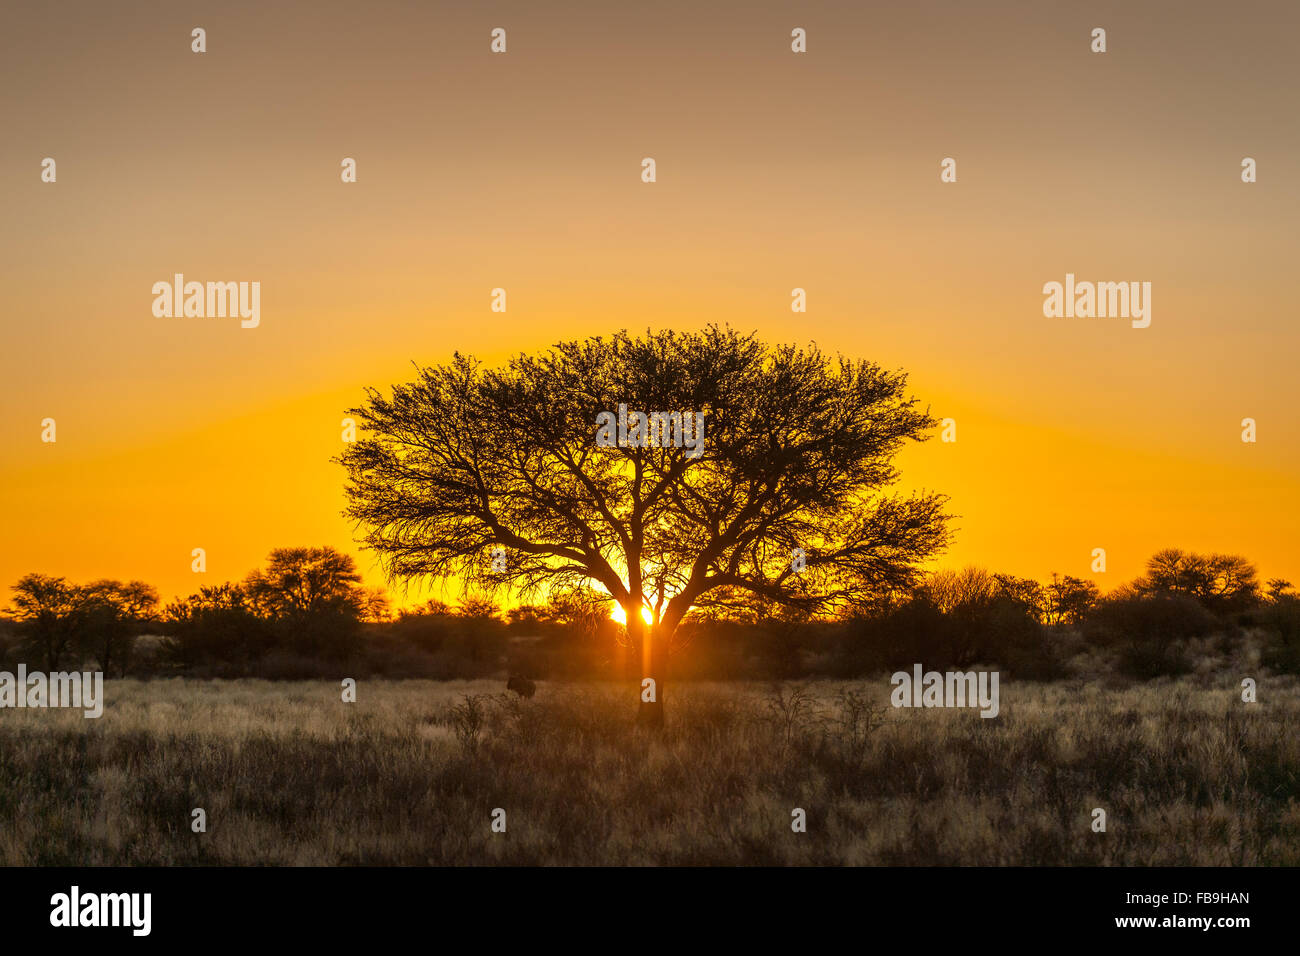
column 112, row 615
column 44, row 608
column 313, row 596
column 1220, row 582
column 495, row 478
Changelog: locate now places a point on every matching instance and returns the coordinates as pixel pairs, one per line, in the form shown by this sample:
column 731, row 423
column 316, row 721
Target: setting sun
column 620, row 615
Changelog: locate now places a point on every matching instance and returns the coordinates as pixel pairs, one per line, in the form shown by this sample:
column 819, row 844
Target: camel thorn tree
column 582, row 466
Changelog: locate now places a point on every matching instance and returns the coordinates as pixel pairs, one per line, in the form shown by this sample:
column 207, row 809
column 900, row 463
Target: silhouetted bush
column 282, row 663
column 215, row 632
column 9, row 641
column 916, row 632
column 1281, row 622
column 1149, row 631
column 306, row 615
column 1017, row 643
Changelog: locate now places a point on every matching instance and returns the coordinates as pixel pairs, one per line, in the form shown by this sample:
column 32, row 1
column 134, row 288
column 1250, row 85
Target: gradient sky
column 522, row 171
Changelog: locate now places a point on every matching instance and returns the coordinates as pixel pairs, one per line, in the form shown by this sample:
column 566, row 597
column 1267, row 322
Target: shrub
column 1281, row 621
column 1017, row 642
column 1149, row 631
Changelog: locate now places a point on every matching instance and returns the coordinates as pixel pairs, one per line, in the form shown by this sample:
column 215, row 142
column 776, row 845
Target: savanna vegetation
column 768, row 573
column 1129, row 702
column 411, row 774
column 307, row 615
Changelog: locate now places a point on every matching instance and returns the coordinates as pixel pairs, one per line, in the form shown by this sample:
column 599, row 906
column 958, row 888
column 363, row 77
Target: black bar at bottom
column 560, row 906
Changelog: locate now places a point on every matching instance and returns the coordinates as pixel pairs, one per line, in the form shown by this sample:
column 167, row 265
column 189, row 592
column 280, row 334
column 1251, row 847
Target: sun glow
column 620, row 615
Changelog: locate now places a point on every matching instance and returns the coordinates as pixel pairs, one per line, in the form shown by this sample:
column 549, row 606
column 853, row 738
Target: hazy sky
column 775, row 170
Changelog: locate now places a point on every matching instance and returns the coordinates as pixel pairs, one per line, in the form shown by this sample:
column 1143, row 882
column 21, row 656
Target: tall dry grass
column 410, row 774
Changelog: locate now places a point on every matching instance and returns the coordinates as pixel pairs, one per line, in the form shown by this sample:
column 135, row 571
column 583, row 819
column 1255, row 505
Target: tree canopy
column 495, row 477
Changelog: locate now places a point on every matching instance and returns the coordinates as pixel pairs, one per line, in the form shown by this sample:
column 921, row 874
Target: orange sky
column 522, row 171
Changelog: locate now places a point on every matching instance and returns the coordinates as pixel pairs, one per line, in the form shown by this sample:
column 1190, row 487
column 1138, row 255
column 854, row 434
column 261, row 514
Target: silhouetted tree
column 1069, row 599
column 1025, row 593
column 582, row 609
column 1221, row 582
column 797, row 451
column 950, row 589
column 313, row 596
column 306, row 581
column 375, row 606
column 45, row 609
column 477, row 608
column 217, row 625
column 110, row 615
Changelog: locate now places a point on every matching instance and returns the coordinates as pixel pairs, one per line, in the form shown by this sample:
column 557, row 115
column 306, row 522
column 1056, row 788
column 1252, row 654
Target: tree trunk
column 654, row 668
